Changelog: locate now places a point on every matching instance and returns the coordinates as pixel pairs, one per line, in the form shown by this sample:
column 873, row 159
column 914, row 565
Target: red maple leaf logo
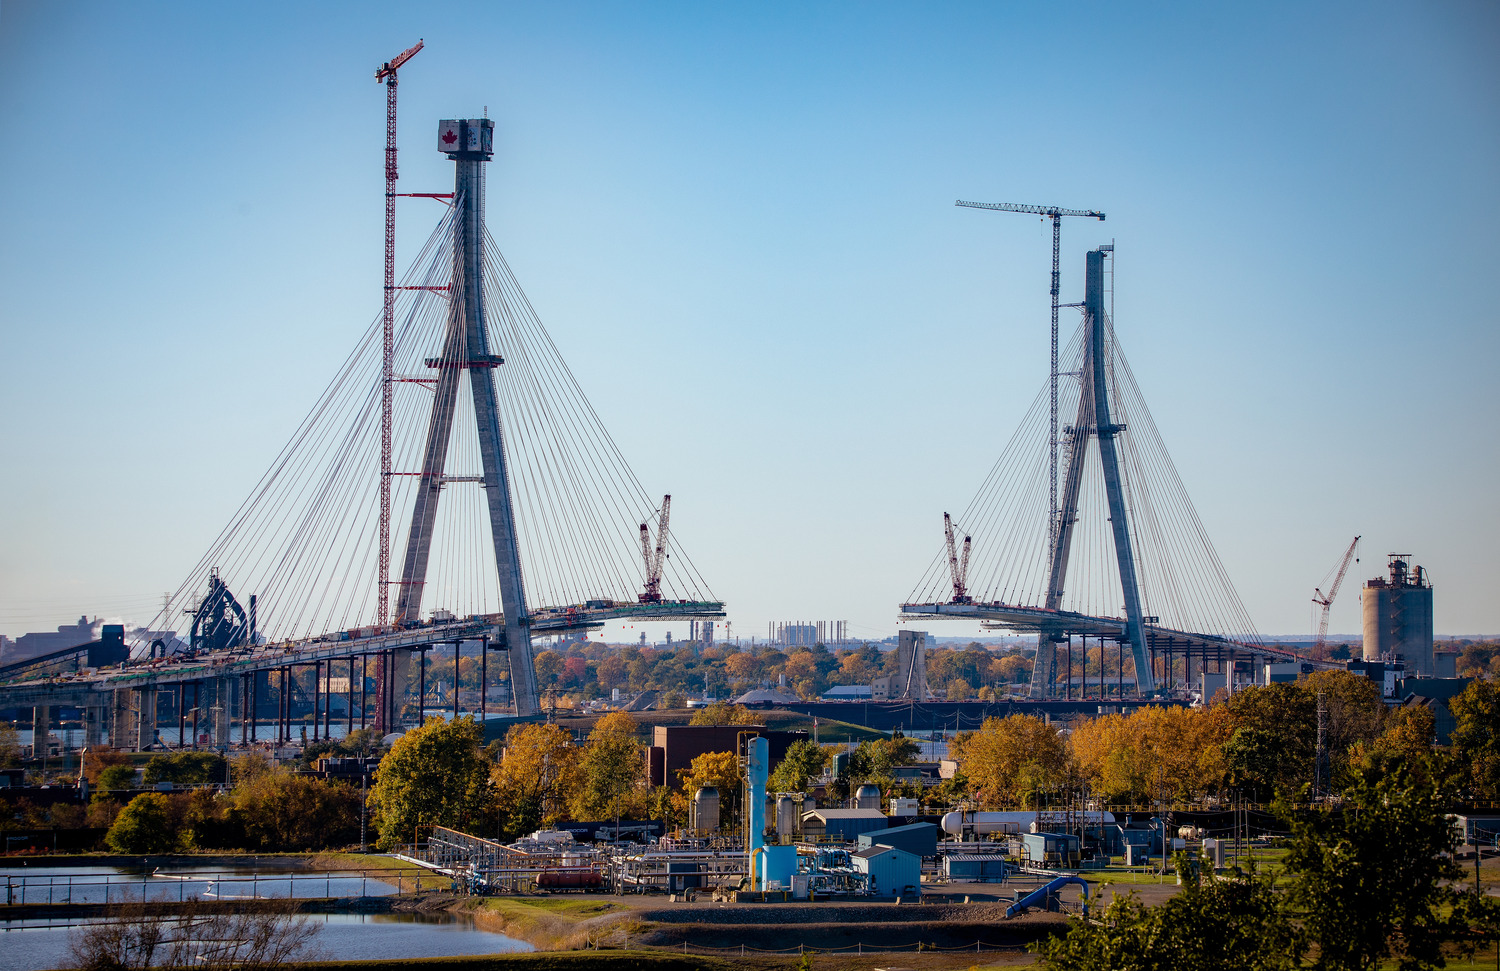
column 449, row 137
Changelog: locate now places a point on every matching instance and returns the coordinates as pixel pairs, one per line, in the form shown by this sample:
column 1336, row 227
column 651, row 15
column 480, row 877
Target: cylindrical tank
column 987, row 823
column 786, row 816
column 705, row 810
column 867, row 796
column 1398, row 617
column 575, row 879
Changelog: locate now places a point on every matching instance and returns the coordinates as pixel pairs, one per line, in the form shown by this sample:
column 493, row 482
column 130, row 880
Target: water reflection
column 38, row 945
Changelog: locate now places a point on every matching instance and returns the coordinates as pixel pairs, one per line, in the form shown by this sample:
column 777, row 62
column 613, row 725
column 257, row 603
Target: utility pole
column 1320, row 756
column 1055, row 214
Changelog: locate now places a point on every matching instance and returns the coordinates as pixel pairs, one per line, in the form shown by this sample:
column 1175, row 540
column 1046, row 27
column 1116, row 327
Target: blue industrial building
column 892, row 872
column 843, row 824
column 918, row 839
column 975, row 867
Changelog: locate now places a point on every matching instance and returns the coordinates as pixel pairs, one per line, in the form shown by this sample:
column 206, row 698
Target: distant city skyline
column 737, row 224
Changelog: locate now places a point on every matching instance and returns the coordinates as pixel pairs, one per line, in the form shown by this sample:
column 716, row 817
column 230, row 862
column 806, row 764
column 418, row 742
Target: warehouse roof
column 827, row 814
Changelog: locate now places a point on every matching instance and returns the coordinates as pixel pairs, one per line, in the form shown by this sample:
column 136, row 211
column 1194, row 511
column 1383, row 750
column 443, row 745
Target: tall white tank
column 867, row 796
column 786, row 815
column 705, row 810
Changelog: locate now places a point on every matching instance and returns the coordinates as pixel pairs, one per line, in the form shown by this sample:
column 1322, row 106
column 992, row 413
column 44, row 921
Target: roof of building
column 827, row 814
column 879, row 849
column 974, row 858
column 848, row 691
column 764, row 695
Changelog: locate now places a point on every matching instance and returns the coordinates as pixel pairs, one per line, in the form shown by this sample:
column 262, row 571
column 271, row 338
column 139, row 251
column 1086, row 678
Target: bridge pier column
column 398, row 670
column 93, row 726
column 145, row 722
column 41, row 732
column 223, row 710
column 121, row 719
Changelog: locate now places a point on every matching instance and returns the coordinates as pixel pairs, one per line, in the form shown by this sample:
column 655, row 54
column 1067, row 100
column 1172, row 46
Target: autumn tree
column 723, row 713
column 537, row 773
column 283, row 811
column 1009, row 760
column 10, row 746
column 722, row 771
column 434, row 775
column 96, row 760
column 612, row 769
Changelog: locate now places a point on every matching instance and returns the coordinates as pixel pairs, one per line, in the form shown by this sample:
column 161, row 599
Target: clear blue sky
column 737, row 221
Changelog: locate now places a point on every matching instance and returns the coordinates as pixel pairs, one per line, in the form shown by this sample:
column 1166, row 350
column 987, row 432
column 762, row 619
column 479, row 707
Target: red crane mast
column 387, row 74
column 655, row 560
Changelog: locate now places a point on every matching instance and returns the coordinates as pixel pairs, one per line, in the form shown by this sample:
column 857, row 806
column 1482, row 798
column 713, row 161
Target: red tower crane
column 957, row 566
column 1320, row 646
column 654, row 559
column 387, row 74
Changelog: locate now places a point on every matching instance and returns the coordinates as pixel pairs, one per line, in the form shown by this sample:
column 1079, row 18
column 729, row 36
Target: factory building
column 1398, row 617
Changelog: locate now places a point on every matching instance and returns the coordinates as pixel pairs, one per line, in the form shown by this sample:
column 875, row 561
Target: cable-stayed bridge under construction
column 1112, row 553
column 456, row 415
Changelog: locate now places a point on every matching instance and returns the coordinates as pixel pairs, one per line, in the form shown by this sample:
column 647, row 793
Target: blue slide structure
column 1040, row 895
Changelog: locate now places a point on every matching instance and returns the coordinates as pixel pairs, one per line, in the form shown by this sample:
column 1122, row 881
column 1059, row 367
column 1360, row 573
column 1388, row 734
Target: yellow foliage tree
column 722, row 771
column 537, row 773
column 1009, row 760
column 1169, row 753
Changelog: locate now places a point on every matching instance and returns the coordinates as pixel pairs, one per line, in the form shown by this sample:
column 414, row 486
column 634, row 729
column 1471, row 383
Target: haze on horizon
column 737, row 223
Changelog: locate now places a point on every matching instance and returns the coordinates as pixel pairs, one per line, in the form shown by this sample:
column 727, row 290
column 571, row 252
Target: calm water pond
column 89, row 885
column 37, row 946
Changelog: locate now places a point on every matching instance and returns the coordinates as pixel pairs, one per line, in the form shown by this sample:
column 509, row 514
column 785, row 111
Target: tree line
column 1258, row 742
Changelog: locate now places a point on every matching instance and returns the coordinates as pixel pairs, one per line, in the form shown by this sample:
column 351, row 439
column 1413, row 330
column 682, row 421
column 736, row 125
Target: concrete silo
column 1398, row 617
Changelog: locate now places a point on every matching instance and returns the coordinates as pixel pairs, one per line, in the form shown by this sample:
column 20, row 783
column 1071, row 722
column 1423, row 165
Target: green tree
column 803, row 762
column 434, row 775
column 1233, row 924
column 613, row 769
column 1373, row 880
column 1476, row 738
column 116, row 777
column 143, row 826
column 185, row 768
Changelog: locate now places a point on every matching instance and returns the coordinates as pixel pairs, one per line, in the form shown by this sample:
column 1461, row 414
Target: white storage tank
column 867, row 796
column 705, row 810
column 787, row 813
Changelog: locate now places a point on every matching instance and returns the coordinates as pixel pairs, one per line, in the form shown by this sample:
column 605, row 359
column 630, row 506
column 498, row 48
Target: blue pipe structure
column 1041, row 894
